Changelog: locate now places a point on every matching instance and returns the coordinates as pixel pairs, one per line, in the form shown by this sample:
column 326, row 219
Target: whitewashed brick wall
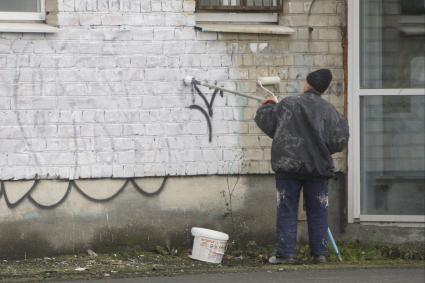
column 104, row 96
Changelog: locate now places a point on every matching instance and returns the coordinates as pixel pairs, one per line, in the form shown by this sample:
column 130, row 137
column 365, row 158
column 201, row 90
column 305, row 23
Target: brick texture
column 104, row 96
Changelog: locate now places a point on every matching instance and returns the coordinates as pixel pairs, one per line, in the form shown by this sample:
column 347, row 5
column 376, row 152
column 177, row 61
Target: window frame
column 25, row 16
column 354, row 93
column 241, row 8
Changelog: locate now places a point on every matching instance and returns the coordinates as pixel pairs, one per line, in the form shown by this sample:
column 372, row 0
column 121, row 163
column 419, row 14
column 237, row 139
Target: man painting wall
column 306, row 130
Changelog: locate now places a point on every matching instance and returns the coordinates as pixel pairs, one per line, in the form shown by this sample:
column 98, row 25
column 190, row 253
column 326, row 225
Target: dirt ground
column 167, row 261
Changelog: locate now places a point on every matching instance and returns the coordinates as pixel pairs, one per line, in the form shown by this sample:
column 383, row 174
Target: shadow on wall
column 139, row 234
column 19, row 242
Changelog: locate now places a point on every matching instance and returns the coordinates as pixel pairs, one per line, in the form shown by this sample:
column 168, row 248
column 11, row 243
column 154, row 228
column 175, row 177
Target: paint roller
column 264, row 81
column 261, row 82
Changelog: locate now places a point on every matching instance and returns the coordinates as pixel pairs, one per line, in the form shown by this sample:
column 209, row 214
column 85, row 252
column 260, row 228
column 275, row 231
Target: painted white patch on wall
column 262, row 46
column 253, row 47
column 98, row 100
column 258, row 47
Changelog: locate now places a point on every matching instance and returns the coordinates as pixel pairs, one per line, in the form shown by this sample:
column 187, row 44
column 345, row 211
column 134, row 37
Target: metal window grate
column 240, row 5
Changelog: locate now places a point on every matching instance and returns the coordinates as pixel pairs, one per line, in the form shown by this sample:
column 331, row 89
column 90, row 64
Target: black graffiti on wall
column 73, row 185
column 209, row 104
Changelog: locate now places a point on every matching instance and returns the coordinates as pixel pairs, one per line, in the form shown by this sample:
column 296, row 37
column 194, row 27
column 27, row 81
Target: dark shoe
column 319, row 259
column 281, row 260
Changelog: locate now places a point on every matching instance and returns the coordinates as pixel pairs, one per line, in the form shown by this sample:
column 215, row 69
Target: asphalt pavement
column 328, row 276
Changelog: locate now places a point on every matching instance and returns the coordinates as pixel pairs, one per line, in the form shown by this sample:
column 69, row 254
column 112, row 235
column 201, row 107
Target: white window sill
column 246, row 28
column 27, row 27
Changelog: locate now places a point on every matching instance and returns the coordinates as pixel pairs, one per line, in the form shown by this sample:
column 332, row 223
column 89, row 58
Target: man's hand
column 270, row 100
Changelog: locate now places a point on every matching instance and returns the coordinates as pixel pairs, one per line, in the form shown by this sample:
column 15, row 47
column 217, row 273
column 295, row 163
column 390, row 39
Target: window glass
column 19, row 6
column 392, row 155
column 392, row 35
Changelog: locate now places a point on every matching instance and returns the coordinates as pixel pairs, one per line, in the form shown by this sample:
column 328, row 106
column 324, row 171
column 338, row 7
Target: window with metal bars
column 22, row 10
column 272, row 6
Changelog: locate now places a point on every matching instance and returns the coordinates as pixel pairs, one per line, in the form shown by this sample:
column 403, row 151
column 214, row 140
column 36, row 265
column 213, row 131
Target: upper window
column 22, row 10
column 238, row 11
column 239, row 5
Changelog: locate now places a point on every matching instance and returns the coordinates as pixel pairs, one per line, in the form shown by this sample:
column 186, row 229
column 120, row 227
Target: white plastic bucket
column 208, row 245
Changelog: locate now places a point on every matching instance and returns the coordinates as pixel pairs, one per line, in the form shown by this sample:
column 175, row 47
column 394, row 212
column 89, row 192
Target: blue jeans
column 316, row 200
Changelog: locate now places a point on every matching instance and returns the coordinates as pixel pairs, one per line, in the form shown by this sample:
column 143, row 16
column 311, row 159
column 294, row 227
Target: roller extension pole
column 192, row 80
column 334, row 246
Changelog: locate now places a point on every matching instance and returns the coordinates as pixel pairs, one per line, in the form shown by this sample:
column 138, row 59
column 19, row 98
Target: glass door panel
column 392, row 162
column 392, row 126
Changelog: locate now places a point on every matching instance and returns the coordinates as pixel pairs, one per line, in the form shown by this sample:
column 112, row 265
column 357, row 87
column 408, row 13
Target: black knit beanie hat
column 320, row 79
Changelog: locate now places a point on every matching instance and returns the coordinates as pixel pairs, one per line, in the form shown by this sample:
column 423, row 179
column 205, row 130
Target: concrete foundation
column 243, row 207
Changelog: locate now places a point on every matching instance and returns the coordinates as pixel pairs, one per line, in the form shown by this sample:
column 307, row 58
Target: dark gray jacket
column 306, row 130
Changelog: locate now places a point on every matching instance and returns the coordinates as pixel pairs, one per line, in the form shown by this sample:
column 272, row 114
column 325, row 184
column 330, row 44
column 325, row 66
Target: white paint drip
column 253, row 47
column 323, row 199
column 280, row 197
column 263, row 46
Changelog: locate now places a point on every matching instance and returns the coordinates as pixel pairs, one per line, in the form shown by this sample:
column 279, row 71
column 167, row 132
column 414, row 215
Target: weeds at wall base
column 353, row 252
